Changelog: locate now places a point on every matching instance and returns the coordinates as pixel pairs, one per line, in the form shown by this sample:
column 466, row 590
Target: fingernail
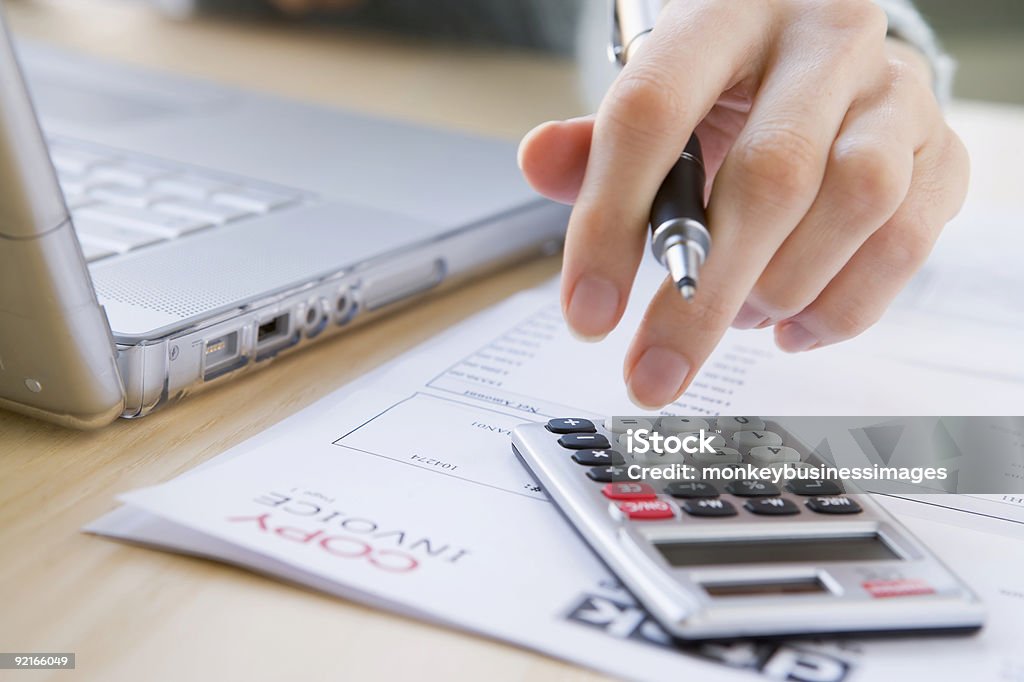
column 593, row 308
column 793, row 337
column 748, row 318
column 657, row 377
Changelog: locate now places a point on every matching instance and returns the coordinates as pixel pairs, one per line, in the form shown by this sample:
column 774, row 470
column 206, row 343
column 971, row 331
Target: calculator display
column 810, row 550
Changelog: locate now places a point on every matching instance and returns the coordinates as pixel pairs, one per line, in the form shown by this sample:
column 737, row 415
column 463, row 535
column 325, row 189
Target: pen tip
column 688, row 291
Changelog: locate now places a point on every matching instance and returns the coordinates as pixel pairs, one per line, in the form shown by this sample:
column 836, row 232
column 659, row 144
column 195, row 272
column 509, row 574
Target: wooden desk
column 135, row 614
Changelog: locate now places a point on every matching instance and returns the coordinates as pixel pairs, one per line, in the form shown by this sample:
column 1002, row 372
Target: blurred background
column 985, row 36
column 987, row 39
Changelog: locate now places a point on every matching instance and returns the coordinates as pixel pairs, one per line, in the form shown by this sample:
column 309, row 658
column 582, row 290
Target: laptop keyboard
column 120, row 204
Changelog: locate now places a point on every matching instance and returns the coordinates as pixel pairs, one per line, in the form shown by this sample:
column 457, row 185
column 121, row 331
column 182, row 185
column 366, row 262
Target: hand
column 831, row 173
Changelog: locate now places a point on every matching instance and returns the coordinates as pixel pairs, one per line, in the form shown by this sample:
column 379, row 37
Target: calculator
column 719, row 559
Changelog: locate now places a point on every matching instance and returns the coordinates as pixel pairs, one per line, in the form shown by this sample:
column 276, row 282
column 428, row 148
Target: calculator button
column 647, row 510
column 770, row 454
column 744, row 440
column 708, row 507
column 734, row 424
column 833, row 505
column 623, row 424
column 606, row 474
column 592, row 458
column 813, row 487
column 584, row 441
column 671, row 426
column 715, row 440
column 571, row 425
column 719, row 456
column 691, row 489
column 771, row 506
column 629, row 491
column 751, row 488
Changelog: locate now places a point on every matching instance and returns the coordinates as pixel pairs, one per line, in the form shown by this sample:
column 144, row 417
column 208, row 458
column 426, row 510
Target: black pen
column 679, row 233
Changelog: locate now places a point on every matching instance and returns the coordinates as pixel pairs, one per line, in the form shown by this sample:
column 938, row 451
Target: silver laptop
column 185, row 233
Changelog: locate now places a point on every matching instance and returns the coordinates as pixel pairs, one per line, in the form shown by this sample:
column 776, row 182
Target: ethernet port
column 271, row 331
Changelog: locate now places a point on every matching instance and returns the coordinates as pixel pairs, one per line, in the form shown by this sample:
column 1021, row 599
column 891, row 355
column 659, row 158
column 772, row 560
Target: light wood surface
column 132, row 613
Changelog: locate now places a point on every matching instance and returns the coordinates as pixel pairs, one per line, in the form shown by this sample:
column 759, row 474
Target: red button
column 629, row 491
column 646, row 510
column 897, row 588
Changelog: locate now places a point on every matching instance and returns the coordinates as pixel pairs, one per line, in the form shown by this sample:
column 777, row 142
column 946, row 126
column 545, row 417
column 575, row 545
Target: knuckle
column 777, row 297
column 861, row 17
column 870, row 177
column 716, row 310
column 905, row 250
column 911, row 78
column 779, row 165
column 643, row 103
column 848, row 319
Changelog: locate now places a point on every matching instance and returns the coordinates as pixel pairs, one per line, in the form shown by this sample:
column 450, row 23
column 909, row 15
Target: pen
column 679, row 233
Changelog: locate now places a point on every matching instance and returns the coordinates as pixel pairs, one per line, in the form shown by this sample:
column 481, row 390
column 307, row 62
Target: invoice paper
column 401, row 491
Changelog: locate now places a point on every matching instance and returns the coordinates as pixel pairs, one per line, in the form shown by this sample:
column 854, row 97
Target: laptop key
column 161, row 224
column 114, row 237
column 125, row 196
column 191, row 186
column 93, row 251
column 78, row 161
column 76, row 201
column 128, row 173
column 201, row 210
column 255, row 200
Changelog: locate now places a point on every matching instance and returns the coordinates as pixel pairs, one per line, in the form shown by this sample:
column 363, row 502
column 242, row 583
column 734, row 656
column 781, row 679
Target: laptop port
column 316, row 319
column 275, row 335
column 272, row 331
column 344, row 308
column 221, row 354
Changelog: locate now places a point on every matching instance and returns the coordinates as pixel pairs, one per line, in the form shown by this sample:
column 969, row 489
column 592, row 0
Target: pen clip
column 615, row 47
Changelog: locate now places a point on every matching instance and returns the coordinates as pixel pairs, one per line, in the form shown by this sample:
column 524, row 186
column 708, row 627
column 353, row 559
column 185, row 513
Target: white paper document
column 401, row 491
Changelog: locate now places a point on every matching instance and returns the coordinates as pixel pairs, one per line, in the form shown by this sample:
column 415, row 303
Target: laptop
column 161, row 234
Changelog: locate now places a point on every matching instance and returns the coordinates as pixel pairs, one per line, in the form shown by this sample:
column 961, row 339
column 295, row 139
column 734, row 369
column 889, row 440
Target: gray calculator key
column 592, row 458
column 708, row 507
column 744, row 440
column 624, row 424
column 671, row 426
column 606, row 474
column 770, row 454
column 751, row 488
column 715, row 439
column 719, row 456
column 814, row 486
column 584, row 441
column 691, row 489
column 771, row 506
column 571, row 425
column 833, row 505
column 734, row 424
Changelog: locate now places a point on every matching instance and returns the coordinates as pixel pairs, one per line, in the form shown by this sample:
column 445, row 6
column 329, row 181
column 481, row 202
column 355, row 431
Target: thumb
column 553, row 157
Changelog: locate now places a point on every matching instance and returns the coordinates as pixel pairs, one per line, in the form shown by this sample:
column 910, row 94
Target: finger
column 553, row 157
column 868, row 176
column 865, row 287
column 642, row 126
column 766, row 185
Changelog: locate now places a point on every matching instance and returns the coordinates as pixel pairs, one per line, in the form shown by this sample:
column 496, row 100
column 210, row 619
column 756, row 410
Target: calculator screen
column 808, row 550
